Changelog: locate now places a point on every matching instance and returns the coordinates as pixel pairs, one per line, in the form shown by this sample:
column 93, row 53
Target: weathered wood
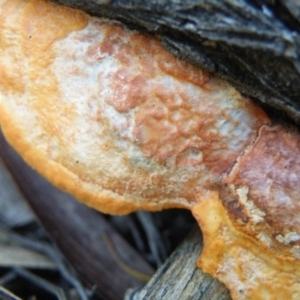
column 13, row 210
column 13, row 255
column 180, row 279
column 255, row 45
column 102, row 258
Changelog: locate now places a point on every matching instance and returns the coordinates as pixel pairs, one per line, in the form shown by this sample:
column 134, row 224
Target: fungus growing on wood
column 110, row 116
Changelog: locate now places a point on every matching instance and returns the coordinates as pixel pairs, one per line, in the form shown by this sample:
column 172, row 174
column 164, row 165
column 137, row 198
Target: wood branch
column 181, row 268
column 102, row 258
column 252, row 44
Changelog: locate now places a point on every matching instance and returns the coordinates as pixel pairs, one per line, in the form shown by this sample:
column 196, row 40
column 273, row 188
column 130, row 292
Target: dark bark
column 254, row 44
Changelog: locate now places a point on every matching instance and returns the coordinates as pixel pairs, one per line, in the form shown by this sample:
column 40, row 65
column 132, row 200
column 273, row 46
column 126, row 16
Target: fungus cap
column 110, row 116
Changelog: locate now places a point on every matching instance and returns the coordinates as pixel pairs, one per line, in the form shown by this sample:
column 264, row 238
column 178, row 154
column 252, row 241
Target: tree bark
column 179, row 278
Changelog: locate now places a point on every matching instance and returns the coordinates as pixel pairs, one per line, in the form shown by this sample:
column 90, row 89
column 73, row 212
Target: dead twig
column 53, row 254
column 7, row 295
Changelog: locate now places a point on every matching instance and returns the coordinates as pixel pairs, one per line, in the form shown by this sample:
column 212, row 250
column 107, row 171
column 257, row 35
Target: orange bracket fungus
column 110, row 116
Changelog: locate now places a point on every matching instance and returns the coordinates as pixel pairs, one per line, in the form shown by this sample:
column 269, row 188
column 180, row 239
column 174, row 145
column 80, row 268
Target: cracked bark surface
column 163, row 284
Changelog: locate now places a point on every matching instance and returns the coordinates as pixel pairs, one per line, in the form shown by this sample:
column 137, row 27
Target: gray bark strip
column 179, row 278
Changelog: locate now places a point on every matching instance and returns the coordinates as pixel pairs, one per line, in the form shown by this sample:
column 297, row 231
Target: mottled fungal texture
column 110, row 116
column 254, row 45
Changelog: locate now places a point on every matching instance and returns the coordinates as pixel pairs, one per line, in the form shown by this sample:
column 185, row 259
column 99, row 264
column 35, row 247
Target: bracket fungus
column 110, row 116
